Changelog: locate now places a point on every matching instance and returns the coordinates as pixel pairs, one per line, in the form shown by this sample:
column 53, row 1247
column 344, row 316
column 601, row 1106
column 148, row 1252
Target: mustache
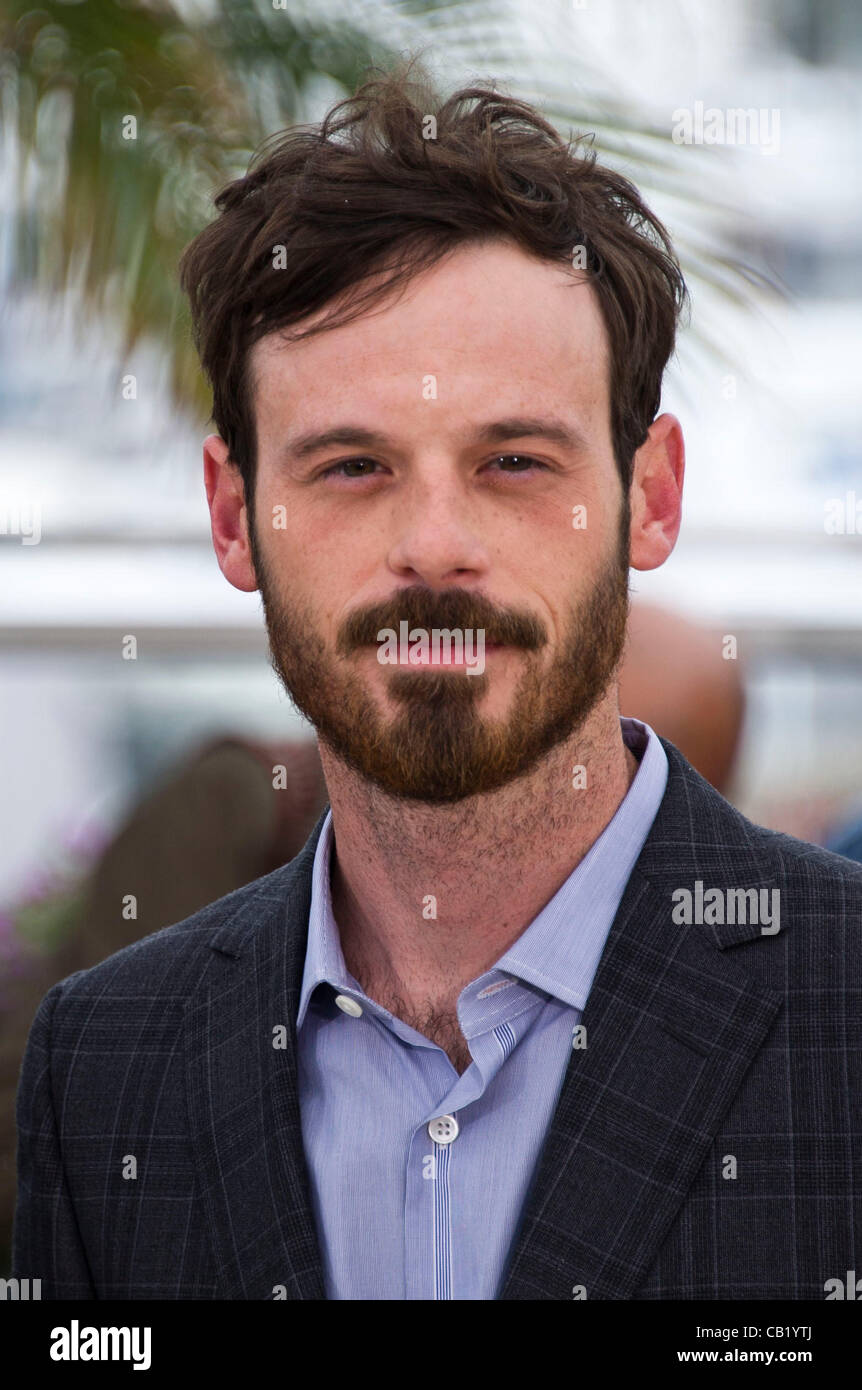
column 447, row 608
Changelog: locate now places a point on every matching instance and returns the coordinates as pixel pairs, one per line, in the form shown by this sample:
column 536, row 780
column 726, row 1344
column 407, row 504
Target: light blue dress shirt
column 419, row 1175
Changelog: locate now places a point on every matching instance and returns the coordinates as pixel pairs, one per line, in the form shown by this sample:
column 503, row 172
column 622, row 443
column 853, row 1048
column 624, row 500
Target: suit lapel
column 243, row 1094
column 672, row 1026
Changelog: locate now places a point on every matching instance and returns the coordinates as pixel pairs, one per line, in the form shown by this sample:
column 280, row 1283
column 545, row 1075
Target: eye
column 524, row 462
column 344, row 465
column 363, row 467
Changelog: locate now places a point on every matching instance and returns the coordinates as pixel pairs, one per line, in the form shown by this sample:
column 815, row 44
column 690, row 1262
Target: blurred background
column 134, row 790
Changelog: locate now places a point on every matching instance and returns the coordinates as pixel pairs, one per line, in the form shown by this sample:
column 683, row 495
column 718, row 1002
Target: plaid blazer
column 705, row 1145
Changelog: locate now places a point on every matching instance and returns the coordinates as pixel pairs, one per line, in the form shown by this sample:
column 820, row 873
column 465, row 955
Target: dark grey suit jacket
column 707, row 1142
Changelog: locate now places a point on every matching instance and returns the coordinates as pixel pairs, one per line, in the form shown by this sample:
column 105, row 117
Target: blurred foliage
column 45, row 923
column 50, row 904
column 112, row 214
column 206, row 84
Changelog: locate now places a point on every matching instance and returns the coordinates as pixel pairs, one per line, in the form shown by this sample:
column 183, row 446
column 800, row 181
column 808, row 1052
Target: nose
column 436, row 540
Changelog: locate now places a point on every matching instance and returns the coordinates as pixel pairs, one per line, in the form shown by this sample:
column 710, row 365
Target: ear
column 656, row 494
column 228, row 517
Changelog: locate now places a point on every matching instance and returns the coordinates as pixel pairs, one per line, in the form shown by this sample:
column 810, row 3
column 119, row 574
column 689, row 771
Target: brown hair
column 366, row 191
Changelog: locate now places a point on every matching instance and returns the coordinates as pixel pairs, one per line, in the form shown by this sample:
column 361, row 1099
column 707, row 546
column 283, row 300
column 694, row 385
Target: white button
column 348, row 1005
column 444, row 1129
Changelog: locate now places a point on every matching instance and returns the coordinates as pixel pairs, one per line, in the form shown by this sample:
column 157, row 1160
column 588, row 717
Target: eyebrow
column 494, row 432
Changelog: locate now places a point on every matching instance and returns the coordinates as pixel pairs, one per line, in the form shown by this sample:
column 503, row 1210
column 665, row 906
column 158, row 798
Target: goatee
column 439, row 748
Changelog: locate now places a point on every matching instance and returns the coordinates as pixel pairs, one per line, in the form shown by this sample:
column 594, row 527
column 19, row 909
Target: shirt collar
column 548, row 953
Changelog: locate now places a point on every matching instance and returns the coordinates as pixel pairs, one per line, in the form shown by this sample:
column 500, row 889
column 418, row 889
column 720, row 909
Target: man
column 535, row 1014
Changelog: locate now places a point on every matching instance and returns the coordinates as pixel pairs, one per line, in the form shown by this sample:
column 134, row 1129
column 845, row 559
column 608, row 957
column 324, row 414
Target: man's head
column 389, row 323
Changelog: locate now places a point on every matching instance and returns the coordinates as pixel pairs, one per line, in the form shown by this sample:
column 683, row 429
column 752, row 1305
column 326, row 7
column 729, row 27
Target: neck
column 427, row 898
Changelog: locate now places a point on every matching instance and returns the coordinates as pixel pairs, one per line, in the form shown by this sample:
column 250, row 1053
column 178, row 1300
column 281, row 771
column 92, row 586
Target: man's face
column 433, row 523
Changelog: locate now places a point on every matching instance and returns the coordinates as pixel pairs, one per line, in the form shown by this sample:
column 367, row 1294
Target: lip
column 432, row 660
column 435, row 659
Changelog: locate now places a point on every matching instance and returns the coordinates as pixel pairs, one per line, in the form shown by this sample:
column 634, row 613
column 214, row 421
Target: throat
column 439, row 1025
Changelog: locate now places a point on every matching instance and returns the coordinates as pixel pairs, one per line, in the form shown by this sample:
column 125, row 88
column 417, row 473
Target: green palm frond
column 109, row 213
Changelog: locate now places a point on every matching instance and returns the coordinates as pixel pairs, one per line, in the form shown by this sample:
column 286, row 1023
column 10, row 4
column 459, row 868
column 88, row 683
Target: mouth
column 438, row 659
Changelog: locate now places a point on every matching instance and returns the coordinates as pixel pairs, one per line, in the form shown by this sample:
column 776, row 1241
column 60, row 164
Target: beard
column 439, row 748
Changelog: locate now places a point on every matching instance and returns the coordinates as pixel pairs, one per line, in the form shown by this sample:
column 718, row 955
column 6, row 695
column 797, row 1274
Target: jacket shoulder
column 800, row 860
column 174, row 960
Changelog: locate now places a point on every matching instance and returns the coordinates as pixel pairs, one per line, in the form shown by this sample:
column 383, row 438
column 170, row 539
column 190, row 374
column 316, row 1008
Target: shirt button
column 348, row 1005
column 444, row 1129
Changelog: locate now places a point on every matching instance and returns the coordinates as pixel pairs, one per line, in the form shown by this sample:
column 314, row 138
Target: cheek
column 291, row 549
column 574, row 525
column 564, row 559
column 312, row 575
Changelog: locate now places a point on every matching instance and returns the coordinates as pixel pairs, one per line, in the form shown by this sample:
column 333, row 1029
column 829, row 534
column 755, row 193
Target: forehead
column 487, row 318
